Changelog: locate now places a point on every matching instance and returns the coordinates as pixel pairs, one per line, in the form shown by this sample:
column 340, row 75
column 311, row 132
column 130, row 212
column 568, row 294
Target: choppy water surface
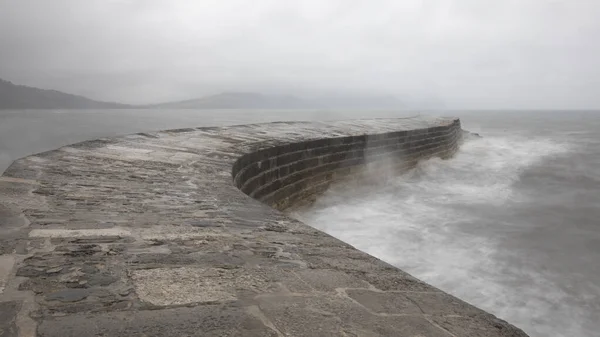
column 510, row 224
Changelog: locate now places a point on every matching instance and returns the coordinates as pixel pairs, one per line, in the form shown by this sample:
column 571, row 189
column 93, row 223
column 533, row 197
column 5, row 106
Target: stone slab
column 201, row 321
column 6, row 265
column 8, row 317
column 78, row 233
column 185, row 285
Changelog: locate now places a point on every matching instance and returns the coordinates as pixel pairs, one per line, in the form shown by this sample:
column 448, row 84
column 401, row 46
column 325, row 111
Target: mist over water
column 509, row 224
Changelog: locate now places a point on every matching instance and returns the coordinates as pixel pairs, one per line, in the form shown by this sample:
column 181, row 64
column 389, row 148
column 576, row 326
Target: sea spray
column 431, row 222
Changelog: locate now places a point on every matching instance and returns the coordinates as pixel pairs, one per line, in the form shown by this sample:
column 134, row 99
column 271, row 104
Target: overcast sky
column 470, row 53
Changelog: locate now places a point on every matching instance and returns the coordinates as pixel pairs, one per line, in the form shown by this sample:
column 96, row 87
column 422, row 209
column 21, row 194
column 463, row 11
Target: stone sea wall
column 285, row 175
column 180, row 233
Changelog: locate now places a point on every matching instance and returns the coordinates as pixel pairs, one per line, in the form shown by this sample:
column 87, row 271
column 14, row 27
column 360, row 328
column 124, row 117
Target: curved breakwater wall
column 150, row 235
column 283, row 176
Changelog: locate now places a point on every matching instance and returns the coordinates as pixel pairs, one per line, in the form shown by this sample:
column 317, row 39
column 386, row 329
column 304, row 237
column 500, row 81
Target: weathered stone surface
column 478, row 326
column 68, row 295
column 6, row 265
column 384, row 303
column 210, row 321
column 175, row 286
column 77, row 233
column 157, row 234
column 324, row 280
column 8, row 316
column 331, row 315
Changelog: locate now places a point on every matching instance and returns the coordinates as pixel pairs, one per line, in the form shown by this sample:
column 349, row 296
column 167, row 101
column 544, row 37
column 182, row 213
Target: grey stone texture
column 184, row 233
column 8, row 315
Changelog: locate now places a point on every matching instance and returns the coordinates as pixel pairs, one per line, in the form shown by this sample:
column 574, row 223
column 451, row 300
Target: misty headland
column 13, row 96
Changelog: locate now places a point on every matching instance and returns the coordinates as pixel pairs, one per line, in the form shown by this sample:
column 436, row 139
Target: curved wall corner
column 288, row 175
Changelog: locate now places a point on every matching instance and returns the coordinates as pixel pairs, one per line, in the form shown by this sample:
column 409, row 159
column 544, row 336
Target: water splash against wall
column 443, row 223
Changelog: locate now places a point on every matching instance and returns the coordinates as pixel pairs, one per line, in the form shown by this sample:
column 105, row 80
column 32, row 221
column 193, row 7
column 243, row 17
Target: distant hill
column 236, row 100
column 14, row 96
column 245, row 100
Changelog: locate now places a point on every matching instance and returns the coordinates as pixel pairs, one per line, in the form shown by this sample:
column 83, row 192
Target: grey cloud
column 470, row 53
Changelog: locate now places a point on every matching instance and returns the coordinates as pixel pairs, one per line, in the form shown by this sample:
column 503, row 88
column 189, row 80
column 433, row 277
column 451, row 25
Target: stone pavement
column 147, row 235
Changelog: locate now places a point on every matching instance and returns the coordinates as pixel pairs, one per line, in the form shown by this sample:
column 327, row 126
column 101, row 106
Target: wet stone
column 31, row 271
column 126, row 292
column 20, row 248
column 388, row 281
column 68, row 295
column 440, row 303
column 101, row 280
column 205, row 223
column 329, row 280
column 8, row 315
column 386, row 303
column 96, row 240
column 275, row 228
column 199, row 321
column 9, row 246
column 79, row 250
column 89, row 269
column 480, row 326
column 54, row 270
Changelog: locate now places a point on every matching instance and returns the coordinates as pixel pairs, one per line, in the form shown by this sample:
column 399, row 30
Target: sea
column 510, row 224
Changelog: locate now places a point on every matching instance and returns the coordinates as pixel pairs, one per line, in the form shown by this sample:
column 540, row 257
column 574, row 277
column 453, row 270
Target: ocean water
column 510, row 224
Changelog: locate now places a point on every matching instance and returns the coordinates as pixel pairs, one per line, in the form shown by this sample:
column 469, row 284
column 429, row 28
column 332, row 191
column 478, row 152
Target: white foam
column 426, row 223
